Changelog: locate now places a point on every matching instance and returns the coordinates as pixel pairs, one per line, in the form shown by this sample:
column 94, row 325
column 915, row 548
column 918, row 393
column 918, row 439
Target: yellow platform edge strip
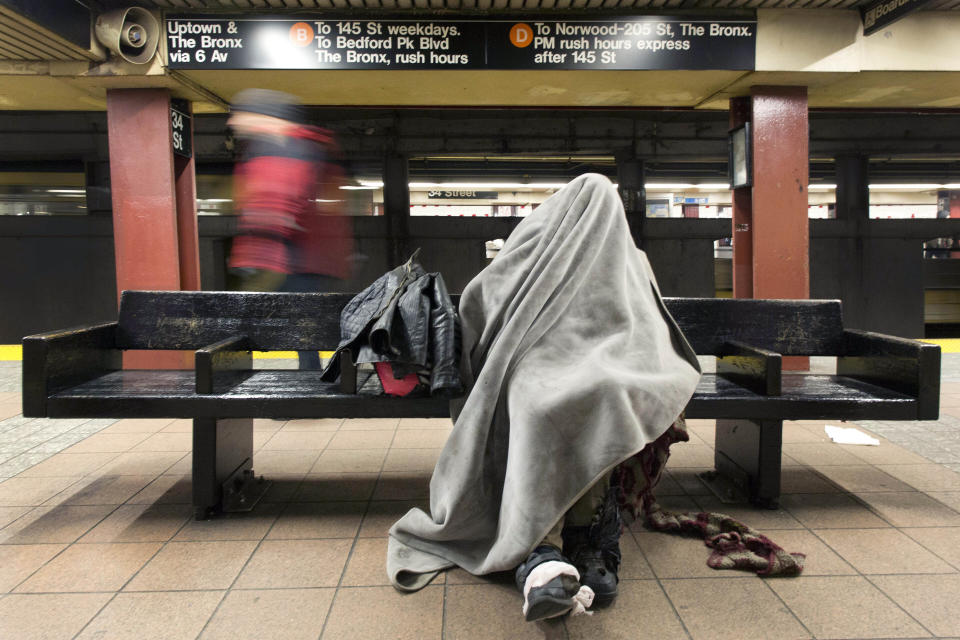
column 269, row 355
column 11, row 352
column 947, row 345
column 14, row 353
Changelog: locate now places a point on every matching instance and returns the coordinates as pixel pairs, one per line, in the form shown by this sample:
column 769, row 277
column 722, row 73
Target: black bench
column 77, row 373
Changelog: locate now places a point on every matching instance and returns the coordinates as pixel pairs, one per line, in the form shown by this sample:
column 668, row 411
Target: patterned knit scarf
column 734, row 544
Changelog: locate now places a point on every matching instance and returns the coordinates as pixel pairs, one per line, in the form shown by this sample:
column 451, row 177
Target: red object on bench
column 394, row 386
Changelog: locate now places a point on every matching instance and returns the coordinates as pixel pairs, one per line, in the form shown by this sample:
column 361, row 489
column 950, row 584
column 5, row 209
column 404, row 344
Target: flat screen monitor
column 740, row 166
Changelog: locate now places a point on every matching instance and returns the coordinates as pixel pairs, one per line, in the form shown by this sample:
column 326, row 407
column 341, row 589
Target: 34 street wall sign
column 643, row 42
column 462, row 194
column 181, row 132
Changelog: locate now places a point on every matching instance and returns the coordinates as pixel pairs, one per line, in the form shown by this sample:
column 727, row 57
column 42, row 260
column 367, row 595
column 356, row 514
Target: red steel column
column 781, row 174
column 771, row 218
column 146, row 232
column 188, row 241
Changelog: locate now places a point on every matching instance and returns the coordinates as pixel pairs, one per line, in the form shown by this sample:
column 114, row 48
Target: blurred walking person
column 292, row 234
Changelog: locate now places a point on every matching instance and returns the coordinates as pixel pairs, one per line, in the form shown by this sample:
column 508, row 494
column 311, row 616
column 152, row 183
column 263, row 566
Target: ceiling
column 24, row 39
column 503, row 6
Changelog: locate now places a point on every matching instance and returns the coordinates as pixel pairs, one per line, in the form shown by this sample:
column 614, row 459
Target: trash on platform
column 849, row 435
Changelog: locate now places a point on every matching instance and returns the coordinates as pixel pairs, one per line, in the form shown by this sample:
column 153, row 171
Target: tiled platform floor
column 97, row 540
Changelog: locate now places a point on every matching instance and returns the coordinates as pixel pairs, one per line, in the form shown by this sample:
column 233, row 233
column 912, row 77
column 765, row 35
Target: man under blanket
column 573, row 367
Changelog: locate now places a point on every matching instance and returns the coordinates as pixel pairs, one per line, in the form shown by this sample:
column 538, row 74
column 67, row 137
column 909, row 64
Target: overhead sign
column 880, row 13
column 644, row 42
column 181, row 131
column 461, row 194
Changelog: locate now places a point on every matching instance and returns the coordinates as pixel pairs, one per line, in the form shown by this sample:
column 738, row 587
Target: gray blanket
column 572, row 364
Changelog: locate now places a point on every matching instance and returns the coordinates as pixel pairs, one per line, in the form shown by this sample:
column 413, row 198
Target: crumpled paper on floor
column 849, row 435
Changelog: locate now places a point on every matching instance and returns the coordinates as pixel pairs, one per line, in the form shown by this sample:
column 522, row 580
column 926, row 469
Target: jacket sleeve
column 444, row 342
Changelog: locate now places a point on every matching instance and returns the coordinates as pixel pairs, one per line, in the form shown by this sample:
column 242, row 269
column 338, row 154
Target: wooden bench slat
column 193, row 319
column 788, row 327
column 135, row 382
column 803, row 397
column 292, row 393
column 295, row 321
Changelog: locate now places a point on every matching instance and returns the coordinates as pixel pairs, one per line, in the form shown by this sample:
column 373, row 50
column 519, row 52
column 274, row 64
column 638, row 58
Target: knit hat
column 269, row 103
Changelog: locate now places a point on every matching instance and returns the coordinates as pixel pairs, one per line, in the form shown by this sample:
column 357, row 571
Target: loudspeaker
column 133, row 34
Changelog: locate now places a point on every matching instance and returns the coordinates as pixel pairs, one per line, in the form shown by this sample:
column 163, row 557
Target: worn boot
column 595, row 550
column 551, row 596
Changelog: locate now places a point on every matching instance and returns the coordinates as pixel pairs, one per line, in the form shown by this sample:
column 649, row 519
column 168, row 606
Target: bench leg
column 223, row 478
column 747, row 453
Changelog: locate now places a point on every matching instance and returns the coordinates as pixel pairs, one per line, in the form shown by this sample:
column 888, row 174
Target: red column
column 781, row 166
column 187, row 236
column 147, row 231
column 771, row 217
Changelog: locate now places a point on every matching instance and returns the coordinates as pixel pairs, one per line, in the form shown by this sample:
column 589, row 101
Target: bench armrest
column 348, row 372
column 222, row 365
column 908, row 366
column 756, row 369
column 60, row 359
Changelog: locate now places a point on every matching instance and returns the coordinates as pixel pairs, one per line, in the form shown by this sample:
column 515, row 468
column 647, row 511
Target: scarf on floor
column 734, row 545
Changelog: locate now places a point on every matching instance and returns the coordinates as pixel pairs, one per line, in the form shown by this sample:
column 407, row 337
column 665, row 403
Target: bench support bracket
column 747, row 455
column 243, row 490
column 223, row 478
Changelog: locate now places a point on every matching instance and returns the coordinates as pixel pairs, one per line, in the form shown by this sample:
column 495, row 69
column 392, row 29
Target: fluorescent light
column 67, row 191
column 713, row 186
column 536, row 186
column 503, row 186
column 952, row 185
column 354, row 187
column 822, row 187
column 905, row 187
column 668, row 186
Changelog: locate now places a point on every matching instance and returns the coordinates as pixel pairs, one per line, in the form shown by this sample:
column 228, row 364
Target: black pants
column 308, row 283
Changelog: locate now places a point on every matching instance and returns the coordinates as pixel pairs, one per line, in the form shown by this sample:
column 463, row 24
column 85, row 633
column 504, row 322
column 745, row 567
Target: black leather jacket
column 405, row 318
